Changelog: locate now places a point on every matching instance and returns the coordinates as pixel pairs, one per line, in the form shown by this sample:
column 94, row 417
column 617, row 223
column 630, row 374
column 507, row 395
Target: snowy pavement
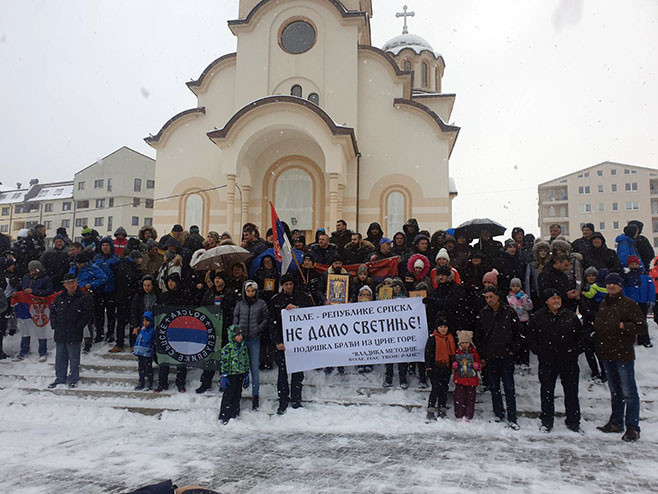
column 352, row 436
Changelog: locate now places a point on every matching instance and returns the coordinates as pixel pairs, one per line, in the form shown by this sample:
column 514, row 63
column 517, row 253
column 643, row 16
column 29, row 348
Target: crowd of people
column 488, row 306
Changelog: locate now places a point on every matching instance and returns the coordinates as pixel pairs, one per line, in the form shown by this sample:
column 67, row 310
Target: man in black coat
column 127, row 282
column 323, row 252
column 56, row 261
column 555, row 335
column 195, row 241
column 509, row 265
column 289, row 298
column 498, row 340
column 342, row 236
column 70, row 313
column 448, row 299
column 583, row 244
column 643, row 245
column 601, row 256
column 554, row 276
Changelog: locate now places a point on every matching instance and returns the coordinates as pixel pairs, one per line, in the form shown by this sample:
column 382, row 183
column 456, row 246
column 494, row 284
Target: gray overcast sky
column 544, row 87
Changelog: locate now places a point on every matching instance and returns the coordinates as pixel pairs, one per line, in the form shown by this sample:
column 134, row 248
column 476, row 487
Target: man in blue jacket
column 90, row 278
column 104, row 297
column 70, row 313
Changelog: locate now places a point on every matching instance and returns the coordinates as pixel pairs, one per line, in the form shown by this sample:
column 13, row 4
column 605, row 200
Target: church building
column 310, row 116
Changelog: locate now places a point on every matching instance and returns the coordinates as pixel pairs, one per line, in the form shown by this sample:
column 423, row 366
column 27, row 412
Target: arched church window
column 294, row 198
column 314, row 98
column 425, row 75
column 194, row 210
column 296, row 90
column 395, row 211
column 298, row 37
column 407, row 66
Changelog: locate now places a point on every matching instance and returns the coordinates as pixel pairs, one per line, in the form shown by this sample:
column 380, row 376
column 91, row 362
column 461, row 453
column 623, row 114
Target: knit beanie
column 35, row 265
column 613, row 279
column 591, row 270
column 515, row 282
column 419, row 264
column 465, row 337
column 443, row 270
column 510, row 243
column 632, row 259
column 443, row 254
column 491, row 277
column 362, row 269
column 150, row 243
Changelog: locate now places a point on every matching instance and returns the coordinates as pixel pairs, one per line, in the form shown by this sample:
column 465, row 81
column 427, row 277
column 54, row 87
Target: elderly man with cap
column 288, row 298
column 70, row 313
column 499, row 336
column 555, row 335
column 617, row 325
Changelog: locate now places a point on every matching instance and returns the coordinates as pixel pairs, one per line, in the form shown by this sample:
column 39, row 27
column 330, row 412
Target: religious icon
column 385, row 292
column 338, row 288
column 418, row 293
column 268, row 285
column 465, row 366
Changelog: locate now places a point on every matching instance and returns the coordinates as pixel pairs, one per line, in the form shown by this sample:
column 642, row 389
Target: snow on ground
column 351, row 436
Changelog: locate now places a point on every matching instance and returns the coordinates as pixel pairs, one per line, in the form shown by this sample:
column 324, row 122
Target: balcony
column 554, row 195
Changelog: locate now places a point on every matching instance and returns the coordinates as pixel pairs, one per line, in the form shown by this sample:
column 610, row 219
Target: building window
column 395, row 211
column 314, row 98
column 81, row 186
column 585, row 208
column 5, row 211
column 584, row 189
column 100, row 203
column 135, row 221
column 600, row 188
column 632, row 205
column 30, row 224
column 66, row 206
column 109, row 185
column 148, row 221
column 48, row 208
column 148, row 203
column 4, row 228
column 599, row 173
column 296, row 91
column 111, row 202
column 66, row 223
column 627, row 171
column 99, row 184
column 601, row 207
column 82, row 204
column 615, row 225
column 407, row 66
column 632, row 187
column 602, row 225
column 136, row 202
column 613, row 172
column 138, row 185
column 613, row 188
column 150, row 184
column 109, row 223
column 615, row 206
column 98, row 221
column 48, row 224
column 298, row 37
column 81, row 222
column 194, row 208
column 425, row 75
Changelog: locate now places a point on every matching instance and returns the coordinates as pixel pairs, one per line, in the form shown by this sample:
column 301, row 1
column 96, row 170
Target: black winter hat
column 286, row 278
column 587, row 225
column 420, row 237
column 177, row 229
column 69, row 277
column 443, row 270
column 551, row 292
column 80, row 258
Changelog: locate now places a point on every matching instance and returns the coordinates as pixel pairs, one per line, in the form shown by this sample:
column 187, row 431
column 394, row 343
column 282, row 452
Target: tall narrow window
column 296, row 91
column 193, row 210
column 395, row 209
column 407, row 66
column 294, row 198
column 314, row 98
column 425, row 75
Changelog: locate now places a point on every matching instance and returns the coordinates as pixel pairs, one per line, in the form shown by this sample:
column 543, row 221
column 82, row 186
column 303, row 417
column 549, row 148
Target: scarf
column 445, row 348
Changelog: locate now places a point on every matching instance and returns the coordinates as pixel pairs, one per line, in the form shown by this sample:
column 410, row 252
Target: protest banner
column 189, row 336
column 367, row 333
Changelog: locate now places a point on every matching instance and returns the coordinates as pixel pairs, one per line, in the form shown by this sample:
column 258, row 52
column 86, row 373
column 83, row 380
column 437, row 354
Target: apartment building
column 117, row 190
column 608, row 195
column 49, row 204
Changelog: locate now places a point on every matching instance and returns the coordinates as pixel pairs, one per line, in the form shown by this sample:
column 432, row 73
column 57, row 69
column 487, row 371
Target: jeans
column 502, row 369
column 623, row 393
column 568, row 372
column 440, row 378
column 287, row 395
column 67, row 357
column 25, row 346
column 253, row 347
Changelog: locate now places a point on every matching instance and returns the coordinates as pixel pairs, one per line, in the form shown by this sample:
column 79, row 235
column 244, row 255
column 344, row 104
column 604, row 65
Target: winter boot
column 202, row 389
column 430, row 414
column 255, row 404
column 610, row 428
column 140, row 386
column 116, row 349
column 87, row 346
column 99, row 338
column 631, row 435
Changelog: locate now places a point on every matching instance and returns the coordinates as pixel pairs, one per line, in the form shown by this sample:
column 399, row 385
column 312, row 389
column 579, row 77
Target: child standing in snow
column 466, row 365
column 144, row 351
column 522, row 304
column 439, row 354
column 592, row 295
column 235, row 369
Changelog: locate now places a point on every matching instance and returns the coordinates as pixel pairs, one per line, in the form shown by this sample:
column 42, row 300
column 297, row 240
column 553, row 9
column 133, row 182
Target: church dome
column 412, row 41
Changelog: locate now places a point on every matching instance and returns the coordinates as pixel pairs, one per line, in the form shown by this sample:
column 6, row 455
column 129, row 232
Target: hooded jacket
column 235, row 356
column 108, row 263
column 643, row 245
column 120, row 245
column 145, row 342
column 251, row 315
column 602, row 257
column 638, row 286
column 142, row 238
column 399, row 250
column 626, row 248
column 373, row 237
column 89, row 274
column 411, row 229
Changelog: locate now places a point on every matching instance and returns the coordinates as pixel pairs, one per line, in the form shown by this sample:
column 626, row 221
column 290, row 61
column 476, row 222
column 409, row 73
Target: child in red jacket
column 466, row 365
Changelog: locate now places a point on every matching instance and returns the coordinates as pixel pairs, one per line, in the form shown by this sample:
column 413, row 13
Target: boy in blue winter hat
column 144, row 348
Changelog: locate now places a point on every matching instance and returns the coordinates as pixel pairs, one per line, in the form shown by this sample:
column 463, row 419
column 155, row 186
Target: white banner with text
column 367, row 333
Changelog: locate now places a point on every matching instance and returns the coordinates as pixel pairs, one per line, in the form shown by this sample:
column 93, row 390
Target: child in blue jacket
column 144, row 348
column 638, row 286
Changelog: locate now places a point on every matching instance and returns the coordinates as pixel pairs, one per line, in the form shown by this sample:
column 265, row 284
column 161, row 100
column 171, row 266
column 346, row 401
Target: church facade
column 310, row 116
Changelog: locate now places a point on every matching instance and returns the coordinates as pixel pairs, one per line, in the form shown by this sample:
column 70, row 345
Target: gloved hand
column 519, row 295
column 223, row 382
column 245, row 384
column 454, row 365
column 476, row 366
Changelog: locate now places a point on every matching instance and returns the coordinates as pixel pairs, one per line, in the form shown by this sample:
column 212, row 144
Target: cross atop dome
column 405, row 14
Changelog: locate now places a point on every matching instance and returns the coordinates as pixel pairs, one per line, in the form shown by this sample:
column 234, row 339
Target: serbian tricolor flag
column 282, row 247
column 33, row 314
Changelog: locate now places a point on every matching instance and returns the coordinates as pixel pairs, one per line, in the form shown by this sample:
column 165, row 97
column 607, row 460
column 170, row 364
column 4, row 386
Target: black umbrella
column 473, row 228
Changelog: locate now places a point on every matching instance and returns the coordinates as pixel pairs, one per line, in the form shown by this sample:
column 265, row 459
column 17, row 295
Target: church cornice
column 396, row 69
column 199, row 83
column 452, row 130
column 154, row 140
column 337, row 130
